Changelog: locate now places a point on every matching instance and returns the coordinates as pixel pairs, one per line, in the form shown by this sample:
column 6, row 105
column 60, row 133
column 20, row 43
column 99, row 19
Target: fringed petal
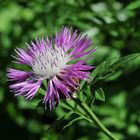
column 26, row 88
column 17, row 75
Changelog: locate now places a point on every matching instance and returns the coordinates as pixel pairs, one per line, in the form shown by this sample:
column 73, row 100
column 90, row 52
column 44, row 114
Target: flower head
column 59, row 61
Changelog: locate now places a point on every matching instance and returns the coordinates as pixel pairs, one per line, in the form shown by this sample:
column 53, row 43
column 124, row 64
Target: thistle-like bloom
column 60, row 61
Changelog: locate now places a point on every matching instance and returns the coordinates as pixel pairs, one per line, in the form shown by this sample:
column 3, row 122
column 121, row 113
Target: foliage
column 114, row 27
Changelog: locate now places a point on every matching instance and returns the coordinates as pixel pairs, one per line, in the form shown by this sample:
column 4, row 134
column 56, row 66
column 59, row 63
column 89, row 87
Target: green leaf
column 68, row 104
column 99, row 94
column 133, row 5
column 59, row 120
column 72, row 121
column 92, row 102
column 114, row 76
column 71, row 106
column 83, row 85
column 65, row 105
column 103, row 68
column 111, row 66
column 88, row 93
column 35, row 102
column 125, row 62
column 42, row 91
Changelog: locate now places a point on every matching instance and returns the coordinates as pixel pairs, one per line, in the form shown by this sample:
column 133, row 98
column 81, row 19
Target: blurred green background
column 114, row 26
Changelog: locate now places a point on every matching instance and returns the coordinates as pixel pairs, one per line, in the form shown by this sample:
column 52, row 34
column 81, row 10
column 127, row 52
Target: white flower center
column 49, row 62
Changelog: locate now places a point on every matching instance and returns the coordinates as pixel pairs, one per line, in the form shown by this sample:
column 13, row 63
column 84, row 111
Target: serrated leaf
column 99, row 94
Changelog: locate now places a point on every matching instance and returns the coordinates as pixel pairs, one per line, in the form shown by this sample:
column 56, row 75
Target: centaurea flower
column 52, row 60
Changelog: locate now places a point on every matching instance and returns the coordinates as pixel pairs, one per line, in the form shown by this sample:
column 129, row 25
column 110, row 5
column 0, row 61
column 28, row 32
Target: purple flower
column 59, row 61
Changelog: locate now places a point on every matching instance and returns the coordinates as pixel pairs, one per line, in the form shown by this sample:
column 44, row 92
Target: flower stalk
column 95, row 119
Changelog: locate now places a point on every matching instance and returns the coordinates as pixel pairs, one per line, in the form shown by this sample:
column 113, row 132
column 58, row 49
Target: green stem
column 93, row 117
